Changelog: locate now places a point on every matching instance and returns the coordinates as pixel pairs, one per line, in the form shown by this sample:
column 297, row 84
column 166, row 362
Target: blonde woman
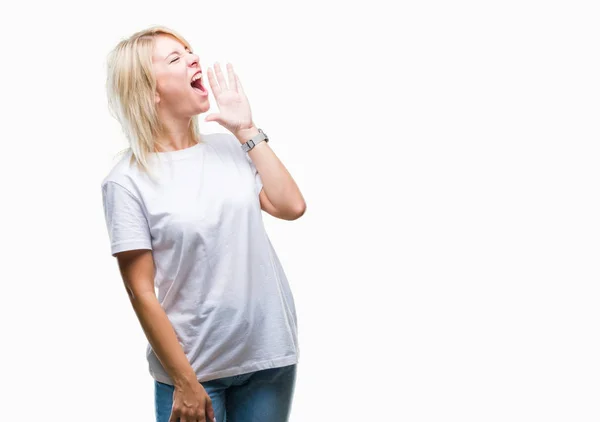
column 183, row 212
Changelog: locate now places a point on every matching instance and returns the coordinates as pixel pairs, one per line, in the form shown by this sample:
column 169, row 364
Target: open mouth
column 197, row 83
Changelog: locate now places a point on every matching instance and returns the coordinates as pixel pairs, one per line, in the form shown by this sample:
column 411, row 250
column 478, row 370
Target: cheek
column 171, row 84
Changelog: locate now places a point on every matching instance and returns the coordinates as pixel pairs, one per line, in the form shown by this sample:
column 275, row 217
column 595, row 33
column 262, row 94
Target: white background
column 446, row 268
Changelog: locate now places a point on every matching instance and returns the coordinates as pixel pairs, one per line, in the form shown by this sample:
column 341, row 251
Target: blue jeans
column 264, row 396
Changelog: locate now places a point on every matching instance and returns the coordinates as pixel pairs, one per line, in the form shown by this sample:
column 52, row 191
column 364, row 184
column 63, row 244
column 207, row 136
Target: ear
column 156, row 98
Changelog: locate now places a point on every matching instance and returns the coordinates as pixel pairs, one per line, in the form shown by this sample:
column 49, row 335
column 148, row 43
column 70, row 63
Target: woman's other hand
column 191, row 403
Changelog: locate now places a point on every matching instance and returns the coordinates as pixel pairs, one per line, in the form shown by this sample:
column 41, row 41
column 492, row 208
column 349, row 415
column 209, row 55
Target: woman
column 183, row 212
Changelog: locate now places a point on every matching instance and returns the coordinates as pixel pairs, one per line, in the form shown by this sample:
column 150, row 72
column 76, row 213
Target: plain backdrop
column 446, row 268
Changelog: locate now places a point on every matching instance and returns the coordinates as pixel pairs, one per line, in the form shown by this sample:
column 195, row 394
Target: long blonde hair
column 131, row 87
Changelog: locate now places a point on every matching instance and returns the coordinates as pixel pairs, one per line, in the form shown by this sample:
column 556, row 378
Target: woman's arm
column 280, row 195
column 137, row 271
column 190, row 399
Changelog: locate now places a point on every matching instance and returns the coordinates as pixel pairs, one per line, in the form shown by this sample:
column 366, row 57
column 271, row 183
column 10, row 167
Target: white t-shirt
column 218, row 277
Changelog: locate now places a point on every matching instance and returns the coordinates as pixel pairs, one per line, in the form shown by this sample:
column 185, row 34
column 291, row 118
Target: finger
column 174, row 417
column 232, row 77
column 216, row 89
column 220, row 77
column 238, row 84
column 210, row 412
column 213, row 117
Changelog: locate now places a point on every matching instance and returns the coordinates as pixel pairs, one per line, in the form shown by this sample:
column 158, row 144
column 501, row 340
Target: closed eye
column 174, row 60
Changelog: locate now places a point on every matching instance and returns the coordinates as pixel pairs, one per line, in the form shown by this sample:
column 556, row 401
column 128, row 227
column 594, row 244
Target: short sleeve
column 257, row 180
column 125, row 220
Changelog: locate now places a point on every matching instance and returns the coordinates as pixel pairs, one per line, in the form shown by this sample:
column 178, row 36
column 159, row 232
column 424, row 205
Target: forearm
column 278, row 184
column 162, row 338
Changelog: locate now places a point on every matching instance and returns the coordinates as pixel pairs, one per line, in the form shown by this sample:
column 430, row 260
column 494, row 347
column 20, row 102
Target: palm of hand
column 234, row 108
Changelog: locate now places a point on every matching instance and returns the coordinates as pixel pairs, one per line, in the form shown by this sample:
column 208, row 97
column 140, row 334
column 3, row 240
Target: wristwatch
column 262, row 136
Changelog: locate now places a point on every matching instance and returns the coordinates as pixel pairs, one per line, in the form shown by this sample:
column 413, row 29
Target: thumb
column 214, row 117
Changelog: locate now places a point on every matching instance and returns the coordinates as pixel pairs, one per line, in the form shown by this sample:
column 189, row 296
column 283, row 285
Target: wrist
column 245, row 134
column 185, row 379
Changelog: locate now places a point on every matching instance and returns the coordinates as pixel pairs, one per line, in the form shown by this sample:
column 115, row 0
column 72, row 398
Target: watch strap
column 251, row 143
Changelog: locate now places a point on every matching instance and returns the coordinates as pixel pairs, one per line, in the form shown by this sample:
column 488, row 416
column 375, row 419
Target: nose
column 194, row 60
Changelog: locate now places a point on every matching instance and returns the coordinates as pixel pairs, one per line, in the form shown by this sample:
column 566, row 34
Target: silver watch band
column 247, row 146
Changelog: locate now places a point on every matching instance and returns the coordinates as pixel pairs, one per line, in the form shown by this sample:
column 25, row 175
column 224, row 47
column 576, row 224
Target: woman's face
column 175, row 67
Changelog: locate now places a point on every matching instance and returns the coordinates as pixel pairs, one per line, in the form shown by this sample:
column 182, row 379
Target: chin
column 202, row 109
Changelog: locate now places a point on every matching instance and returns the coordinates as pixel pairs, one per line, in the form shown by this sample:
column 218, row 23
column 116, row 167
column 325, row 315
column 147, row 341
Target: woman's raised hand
column 234, row 109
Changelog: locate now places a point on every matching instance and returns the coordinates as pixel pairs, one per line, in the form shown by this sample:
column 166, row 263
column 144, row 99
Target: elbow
column 297, row 211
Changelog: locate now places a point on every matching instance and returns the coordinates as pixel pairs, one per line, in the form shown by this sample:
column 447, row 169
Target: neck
column 176, row 134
